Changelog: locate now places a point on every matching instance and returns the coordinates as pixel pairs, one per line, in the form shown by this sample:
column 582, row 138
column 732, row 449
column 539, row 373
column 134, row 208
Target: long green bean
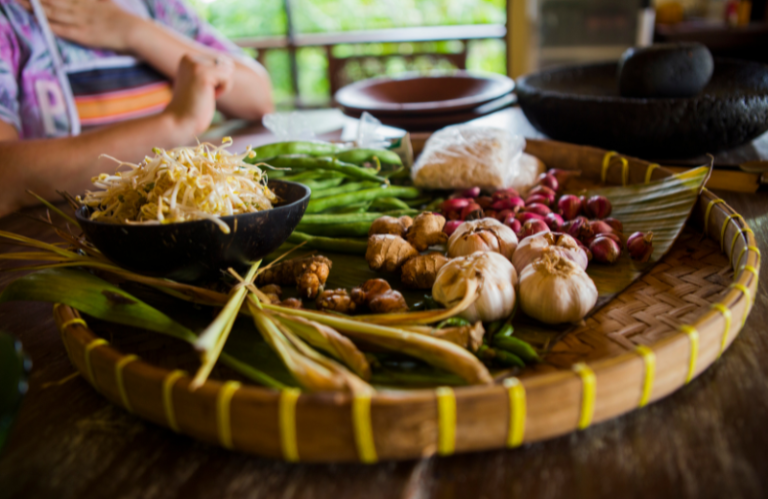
column 310, row 148
column 353, row 246
column 320, row 205
column 342, row 218
column 352, row 229
column 360, row 156
column 352, row 208
column 303, row 162
column 388, row 204
column 323, row 183
column 347, row 187
column 313, row 175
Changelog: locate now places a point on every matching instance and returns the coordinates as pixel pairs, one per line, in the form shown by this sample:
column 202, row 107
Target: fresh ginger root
column 391, row 225
column 377, row 295
column 337, row 300
column 388, row 251
column 469, row 337
column 427, row 230
column 420, row 272
column 308, row 274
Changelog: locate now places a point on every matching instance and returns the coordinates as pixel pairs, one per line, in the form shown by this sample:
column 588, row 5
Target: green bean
column 419, row 202
column 313, row 175
column 351, row 229
column 319, row 205
column 399, row 174
column 341, row 218
column 303, row 162
column 310, row 148
column 324, row 183
column 352, row 208
column 516, row 346
column 435, row 205
column 360, row 156
column 348, row 187
column 388, row 204
column 353, row 246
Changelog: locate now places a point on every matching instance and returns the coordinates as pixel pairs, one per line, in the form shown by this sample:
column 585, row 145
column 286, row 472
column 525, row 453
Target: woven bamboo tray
column 655, row 337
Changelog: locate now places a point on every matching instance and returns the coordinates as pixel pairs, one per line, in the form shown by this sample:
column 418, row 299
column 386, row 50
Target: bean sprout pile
column 179, row 185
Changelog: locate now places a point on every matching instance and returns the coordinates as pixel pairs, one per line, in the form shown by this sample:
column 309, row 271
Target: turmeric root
column 368, row 290
column 390, row 225
column 420, row 272
column 388, row 251
column 427, row 230
column 378, row 296
column 337, row 300
column 291, row 303
column 308, row 274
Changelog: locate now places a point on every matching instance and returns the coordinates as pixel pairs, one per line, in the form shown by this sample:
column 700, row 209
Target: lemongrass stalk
column 32, row 255
column 211, row 341
column 433, row 351
column 28, row 241
column 251, row 372
column 55, row 209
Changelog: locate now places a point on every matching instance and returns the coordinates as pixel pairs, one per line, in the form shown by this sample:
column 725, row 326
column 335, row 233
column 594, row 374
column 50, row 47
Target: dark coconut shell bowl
column 582, row 105
column 199, row 250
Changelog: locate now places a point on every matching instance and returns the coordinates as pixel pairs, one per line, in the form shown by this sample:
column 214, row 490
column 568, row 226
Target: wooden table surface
column 706, row 440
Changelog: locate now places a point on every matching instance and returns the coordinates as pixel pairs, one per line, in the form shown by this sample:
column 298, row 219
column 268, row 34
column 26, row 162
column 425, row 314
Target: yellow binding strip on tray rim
column 749, row 268
column 649, row 172
column 727, row 316
column 744, row 250
column 70, row 322
column 90, row 346
column 517, row 410
column 606, row 163
column 168, row 383
column 725, row 227
column 693, row 335
column 708, row 211
column 223, row 406
column 588, row 384
column 649, row 359
column 287, row 422
column 446, row 421
column 119, row 379
column 736, row 238
column 748, row 296
column 363, row 427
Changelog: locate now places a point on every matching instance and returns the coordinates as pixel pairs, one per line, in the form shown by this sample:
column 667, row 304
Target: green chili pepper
column 493, row 327
column 508, row 359
column 310, row 148
column 320, row 205
column 303, row 162
column 505, row 331
column 353, row 246
column 454, row 322
column 517, row 347
column 360, row 156
column 388, row 204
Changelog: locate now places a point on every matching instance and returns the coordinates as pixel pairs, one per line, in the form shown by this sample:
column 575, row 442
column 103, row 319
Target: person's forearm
column 68, row 164
column 251, row 93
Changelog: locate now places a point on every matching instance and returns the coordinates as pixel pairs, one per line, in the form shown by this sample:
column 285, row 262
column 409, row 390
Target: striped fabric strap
column 726, row 313
column 88, row 348
column 693, row 335
column 223, row 410
column 287, row 423
column 363, row 426
column 743, row 230
column 168, row 383
column 71, row 322
column 446, row 420
column 708, row 212
column 725, row 227
column 517, row 410
column 624, row 166
column 588, row 383
column 754, row 249
column 649, row 172
column 649, row 359
column 127, row 359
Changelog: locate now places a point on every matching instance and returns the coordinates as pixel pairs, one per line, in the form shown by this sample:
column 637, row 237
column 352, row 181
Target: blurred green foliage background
column 245, row 18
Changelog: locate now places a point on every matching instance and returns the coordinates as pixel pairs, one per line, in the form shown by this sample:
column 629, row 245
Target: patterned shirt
column 105, row 87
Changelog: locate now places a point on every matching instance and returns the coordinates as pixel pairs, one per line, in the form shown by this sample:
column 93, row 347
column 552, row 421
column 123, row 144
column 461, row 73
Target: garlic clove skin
column 555, row 290
column 497, row 277
column 533, row 247
column 487, row 234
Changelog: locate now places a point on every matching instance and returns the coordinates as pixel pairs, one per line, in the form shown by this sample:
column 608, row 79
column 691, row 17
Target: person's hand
column 93, row 23
column 199, row 81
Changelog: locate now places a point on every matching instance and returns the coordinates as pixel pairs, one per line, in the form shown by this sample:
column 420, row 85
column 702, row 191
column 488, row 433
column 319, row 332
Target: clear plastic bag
column 462, row 156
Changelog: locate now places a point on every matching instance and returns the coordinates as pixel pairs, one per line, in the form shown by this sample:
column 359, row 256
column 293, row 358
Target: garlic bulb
column 553, row 289
column 487, row 274
column 487, row 234
column 532, row 248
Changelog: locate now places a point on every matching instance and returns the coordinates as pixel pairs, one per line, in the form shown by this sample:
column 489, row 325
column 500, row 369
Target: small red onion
column 513, row 224
column 569, row 206
column 472, row 192
column 538, row 199
column 471, row 208
column 503, row 214
column 578, row 228
column 505, row 193
column 563, row 176
column 510, row 203
column 550, row 181
column 485, row 202
column 542, row 190
column 524, row 216
column 609, row 235
column 538, row 208
column 452, row 215
column 532, row 227
column 597, row 207
column 451, row 226
column 490, row 213
column 605, row 250
column 586, row 250
column 554, row 221
column 600, row 227
column 617, row 225
column 640, row 246
column 454, row 204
